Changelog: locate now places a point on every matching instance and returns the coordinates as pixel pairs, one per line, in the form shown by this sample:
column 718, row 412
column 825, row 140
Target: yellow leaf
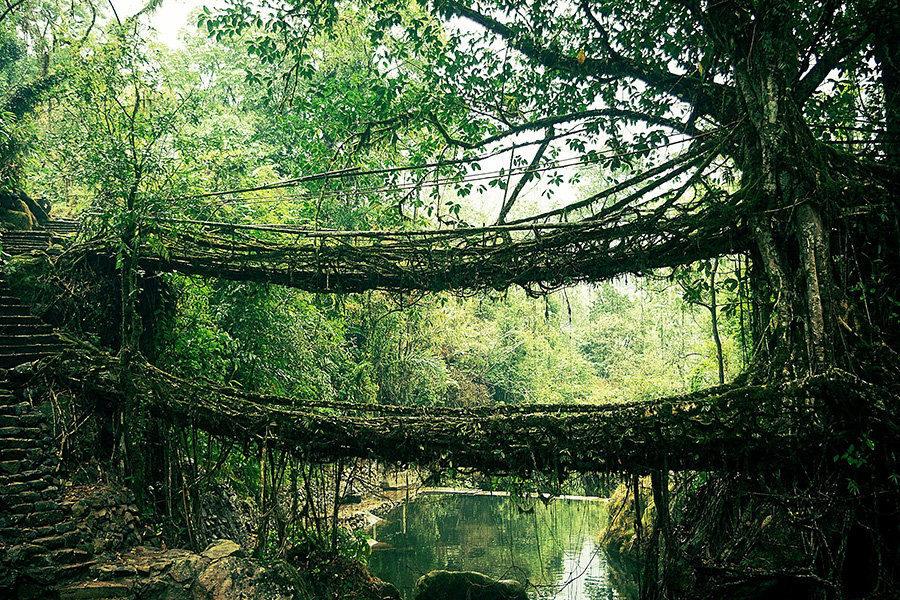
column 700, row 68
column 581, row 57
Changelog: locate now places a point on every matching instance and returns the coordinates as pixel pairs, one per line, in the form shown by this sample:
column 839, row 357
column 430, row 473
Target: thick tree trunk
column 714, row 319
column 783, row 179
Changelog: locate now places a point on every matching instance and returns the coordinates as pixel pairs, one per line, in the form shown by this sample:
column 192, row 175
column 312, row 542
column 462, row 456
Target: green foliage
column 261, row 339
column 648, row 342
column 116, row 127
column 335, row 108
column 857, row 454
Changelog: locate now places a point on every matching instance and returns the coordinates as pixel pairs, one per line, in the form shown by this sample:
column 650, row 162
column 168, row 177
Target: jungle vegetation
column 714, row 182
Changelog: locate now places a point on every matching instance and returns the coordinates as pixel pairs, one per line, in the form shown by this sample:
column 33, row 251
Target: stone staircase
column 23, row 337
column 39, row 538
column 63, row 227
column 38, row 535
column 47, row 541
column 23, row 242
column 53, row 234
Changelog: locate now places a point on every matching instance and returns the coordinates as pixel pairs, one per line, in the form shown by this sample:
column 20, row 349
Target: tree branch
column 690, row 157
column 686, row 89
column 9, row 8
column 546, row 122
column 828, row 62
column 527, row 176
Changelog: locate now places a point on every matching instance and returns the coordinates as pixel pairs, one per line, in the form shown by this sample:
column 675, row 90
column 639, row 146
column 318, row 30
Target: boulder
column 220, row 573
column 222, row 549
column 18, row 219
column 386, row 590
column 235, row 578
column 19, row 201
column 186, row 568
column 21, row 211
column 467, row 585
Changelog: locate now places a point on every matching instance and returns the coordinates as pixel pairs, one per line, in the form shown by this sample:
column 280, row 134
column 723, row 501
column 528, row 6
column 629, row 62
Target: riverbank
column 404, row 486
column 372, row 508
column 504, row 494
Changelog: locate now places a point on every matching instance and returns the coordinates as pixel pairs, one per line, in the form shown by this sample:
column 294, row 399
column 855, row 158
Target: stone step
column 30, row 239
column 16, row 313
column 24, row 554
column 12, row 357
column 20, row 443
column 10, row 454
column 97, row 589
column 69, row 556
column 28, row 320
column 66, row 527
column 54, row 536
column 50, row 517
column 25, row 420
column 30, row 349
column 25, row 246
column 15, row 249
column 15, row 310
column 17, row 505
column 59, row 542
column 63, row 226
column 29, row 476
column 21, row 432
column 19, row 346
column 13, row 467
column 33, row 452
column 25, row 328
column 9, row 361
column 24, row 233
column 25, row 237
column 55, row 574
column 38, row 339
column 18, row 248
column 15, row 407
column 11, row 532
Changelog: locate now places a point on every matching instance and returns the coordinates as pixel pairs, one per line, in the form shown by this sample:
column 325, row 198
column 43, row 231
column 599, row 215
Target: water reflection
column 552, row 547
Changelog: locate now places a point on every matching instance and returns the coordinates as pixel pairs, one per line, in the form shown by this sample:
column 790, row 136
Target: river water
column 554, row 548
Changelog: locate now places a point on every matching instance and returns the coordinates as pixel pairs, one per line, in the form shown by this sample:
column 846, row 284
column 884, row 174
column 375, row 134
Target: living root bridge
column 726, row 428
column 534, row 256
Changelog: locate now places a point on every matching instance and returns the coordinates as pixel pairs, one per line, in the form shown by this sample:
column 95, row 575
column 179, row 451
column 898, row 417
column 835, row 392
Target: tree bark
column 714, row 317
column 784, row 177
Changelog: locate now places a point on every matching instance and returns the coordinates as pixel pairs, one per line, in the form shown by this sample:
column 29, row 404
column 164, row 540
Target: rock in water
column 467, row 585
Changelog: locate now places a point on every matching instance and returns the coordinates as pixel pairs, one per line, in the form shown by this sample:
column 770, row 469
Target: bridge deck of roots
column 724, row 428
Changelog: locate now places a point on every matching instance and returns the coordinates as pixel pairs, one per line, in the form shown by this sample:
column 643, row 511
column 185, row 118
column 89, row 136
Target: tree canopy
column 783, row 112
column 471, row 146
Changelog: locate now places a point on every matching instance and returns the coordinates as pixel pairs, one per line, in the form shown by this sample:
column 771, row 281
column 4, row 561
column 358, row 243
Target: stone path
column 39, row 539
column 24, row 337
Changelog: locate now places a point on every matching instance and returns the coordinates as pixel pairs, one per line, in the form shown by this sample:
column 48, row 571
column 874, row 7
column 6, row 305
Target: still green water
column 553, row 548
